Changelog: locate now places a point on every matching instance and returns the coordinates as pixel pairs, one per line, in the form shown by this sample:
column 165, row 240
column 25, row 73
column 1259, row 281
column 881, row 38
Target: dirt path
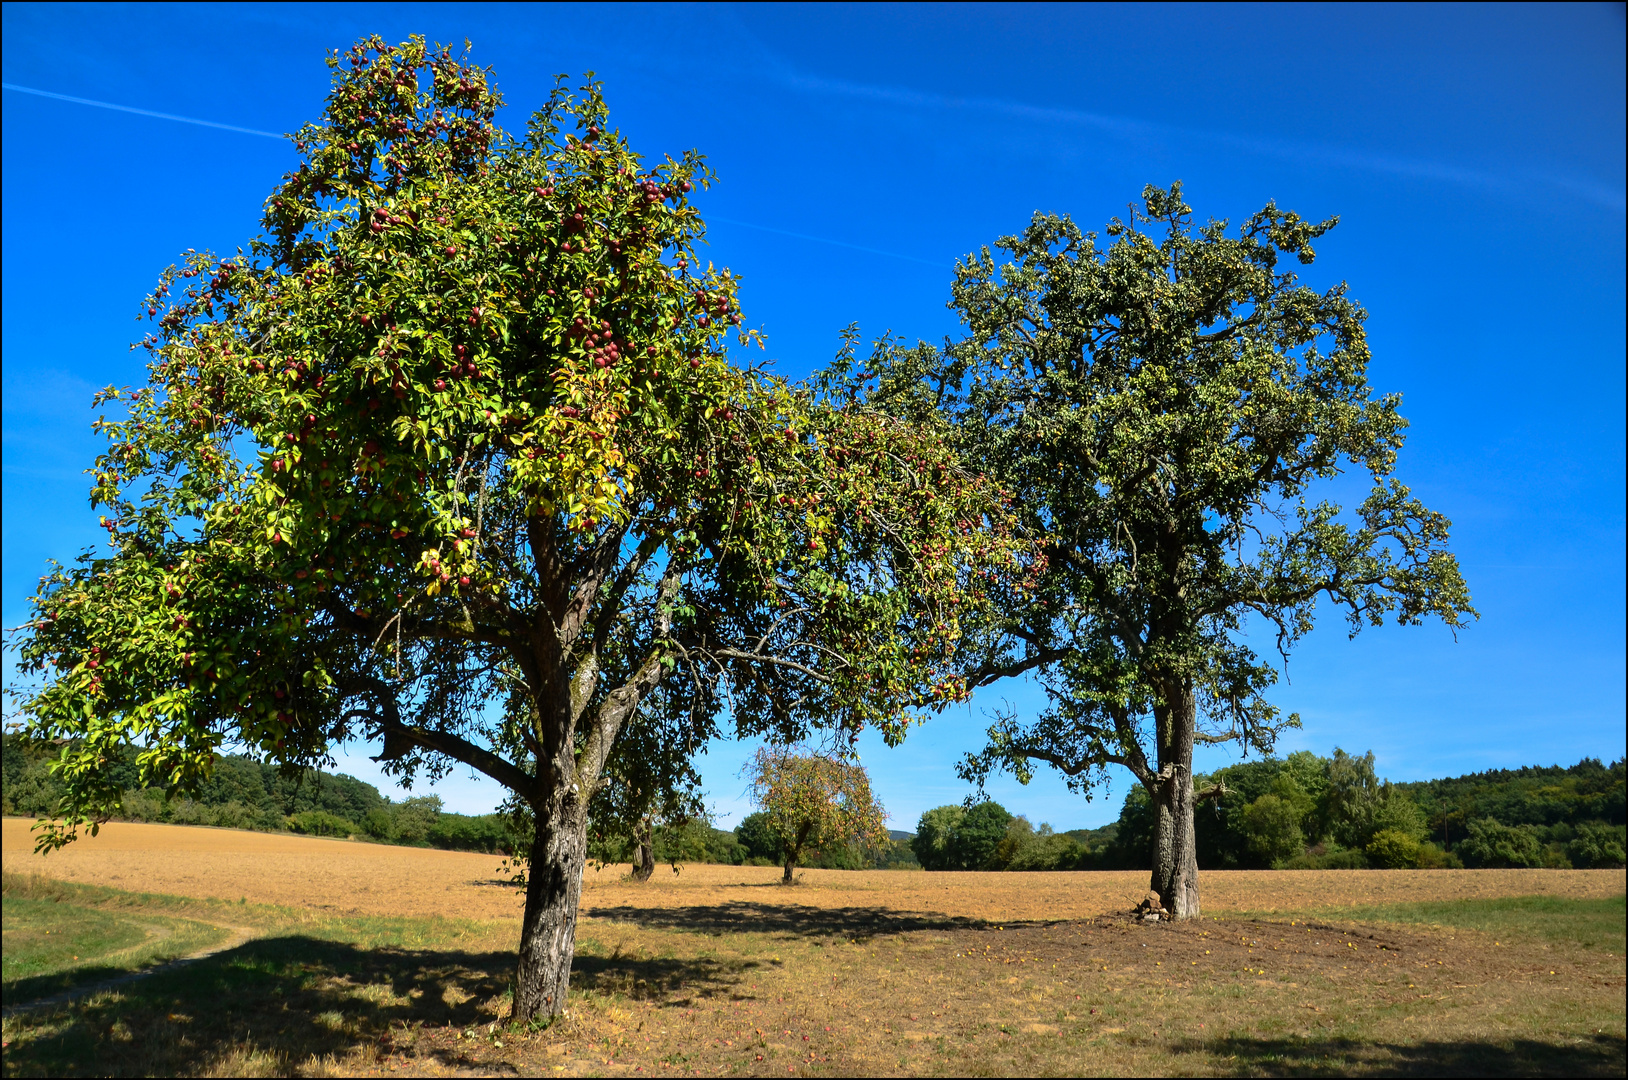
column 237, row 936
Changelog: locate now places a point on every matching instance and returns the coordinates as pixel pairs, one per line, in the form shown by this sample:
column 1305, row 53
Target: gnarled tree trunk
column 1175, row 856
column 553, row 886
column 644, row 851
column 794, row 851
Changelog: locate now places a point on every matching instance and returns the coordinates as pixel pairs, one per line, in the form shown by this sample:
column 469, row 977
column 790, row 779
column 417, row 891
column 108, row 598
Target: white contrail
column 142, row 112
column 271, row 135
column 1288, row 150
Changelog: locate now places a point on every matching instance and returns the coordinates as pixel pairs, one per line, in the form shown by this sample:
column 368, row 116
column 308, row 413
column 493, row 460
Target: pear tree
column 1172, row 406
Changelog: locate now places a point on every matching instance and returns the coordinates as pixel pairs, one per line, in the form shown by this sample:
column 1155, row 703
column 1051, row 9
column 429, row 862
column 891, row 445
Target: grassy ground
column 1514, row 986
column 53, row 945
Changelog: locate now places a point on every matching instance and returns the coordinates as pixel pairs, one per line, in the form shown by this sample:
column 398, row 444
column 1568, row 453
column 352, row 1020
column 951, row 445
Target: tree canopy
column 1166, row 404
column 454, row 457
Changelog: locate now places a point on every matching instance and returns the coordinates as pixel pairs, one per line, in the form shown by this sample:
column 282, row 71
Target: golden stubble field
column 720, row 971
column 342, row 876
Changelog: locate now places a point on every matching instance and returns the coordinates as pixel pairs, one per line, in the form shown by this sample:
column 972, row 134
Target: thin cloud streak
column 142, row 112
column 1142, row 130
column 270, row 135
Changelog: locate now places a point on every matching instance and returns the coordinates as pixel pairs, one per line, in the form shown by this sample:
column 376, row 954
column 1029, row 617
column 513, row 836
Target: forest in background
column 1303, row 811
column 1311, row 812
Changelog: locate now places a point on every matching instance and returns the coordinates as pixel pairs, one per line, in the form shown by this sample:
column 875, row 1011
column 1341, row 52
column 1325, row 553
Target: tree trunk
column 644, row 851
column 553, row 886
column 794, row 851
column 1175, row 857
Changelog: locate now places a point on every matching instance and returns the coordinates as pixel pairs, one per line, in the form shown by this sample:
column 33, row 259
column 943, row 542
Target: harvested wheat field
column 344, row 876
column 373, row 960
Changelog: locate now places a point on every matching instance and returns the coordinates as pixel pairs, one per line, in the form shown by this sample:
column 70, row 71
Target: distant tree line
column 1311, row 812
column 242, row 793
column 1299, row 812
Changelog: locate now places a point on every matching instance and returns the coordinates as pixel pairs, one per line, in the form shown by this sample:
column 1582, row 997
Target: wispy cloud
column 141, row 112
column 269, row 135
column 1146, row 131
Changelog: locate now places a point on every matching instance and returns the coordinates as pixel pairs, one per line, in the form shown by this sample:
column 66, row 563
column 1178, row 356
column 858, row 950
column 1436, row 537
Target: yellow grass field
column 355, row 877
column 374, row 960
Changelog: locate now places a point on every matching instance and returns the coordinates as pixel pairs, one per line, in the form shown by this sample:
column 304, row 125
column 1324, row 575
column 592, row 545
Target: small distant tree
column 1490, row 843
column 1351, row 798
column 756, row 834
column 934, row 842
column 1597, row 845
column 650, row 781
column 978, row 838
column 1393, row 849
column 814, row 801
column 1272, row 825
column 416, row 817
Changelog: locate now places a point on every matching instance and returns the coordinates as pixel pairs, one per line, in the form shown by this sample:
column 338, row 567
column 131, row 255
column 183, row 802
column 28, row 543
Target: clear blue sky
column 1474, row 153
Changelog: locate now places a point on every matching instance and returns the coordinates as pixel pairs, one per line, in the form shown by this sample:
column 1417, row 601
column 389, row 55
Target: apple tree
column 454, row 458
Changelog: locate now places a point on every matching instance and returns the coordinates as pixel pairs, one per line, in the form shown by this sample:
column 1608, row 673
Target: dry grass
column 342, row 876
column 716, row 971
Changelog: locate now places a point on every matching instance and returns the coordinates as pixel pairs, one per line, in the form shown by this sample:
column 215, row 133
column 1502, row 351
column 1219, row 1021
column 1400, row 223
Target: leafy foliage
column 320, row 823
column 1348, row 817
column 1272, row 824
column 464, row 382
column 455, row 457
column 1556, row 795
column 1491, row 843
column 989, row 837
column 1166, row 405
column 934, row 842
column 813, row 801
column 757, row 835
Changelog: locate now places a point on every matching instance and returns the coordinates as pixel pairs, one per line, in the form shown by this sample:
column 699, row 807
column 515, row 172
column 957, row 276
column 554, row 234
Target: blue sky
column 1475, row 155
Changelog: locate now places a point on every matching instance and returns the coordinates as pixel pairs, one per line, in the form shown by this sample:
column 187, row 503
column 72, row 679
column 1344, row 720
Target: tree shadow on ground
column 1604, row 1055
column 784, row 920
column 273, row 1004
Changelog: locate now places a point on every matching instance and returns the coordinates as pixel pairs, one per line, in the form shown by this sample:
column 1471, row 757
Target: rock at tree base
column 1151, row 909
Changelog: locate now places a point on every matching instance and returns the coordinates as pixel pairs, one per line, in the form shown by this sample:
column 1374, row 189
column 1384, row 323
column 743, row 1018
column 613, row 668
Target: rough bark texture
column 553, row 886
column 1175, row 857
column 794, row 852
column 644, row 852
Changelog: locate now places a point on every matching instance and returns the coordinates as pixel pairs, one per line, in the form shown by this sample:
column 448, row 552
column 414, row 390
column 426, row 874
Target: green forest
column 1298, row 812
column 1311, row 812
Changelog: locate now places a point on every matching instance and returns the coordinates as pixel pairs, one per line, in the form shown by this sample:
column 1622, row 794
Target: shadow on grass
column 1604, row 1055
column 273, row 1004
column 20, row 992
column 786, row 920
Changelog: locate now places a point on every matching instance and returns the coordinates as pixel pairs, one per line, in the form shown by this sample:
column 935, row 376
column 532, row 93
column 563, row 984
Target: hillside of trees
column 246, row 794
column 1311, row 812
column 1303, row 811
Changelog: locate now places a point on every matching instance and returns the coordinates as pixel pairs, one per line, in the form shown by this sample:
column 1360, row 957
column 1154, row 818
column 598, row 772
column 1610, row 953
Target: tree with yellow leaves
column 814, row 801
